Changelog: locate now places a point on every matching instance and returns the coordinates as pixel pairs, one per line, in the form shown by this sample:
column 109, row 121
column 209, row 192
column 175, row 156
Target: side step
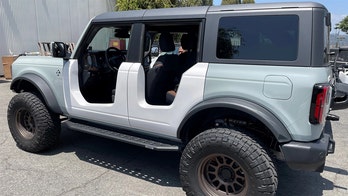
column 122, row 137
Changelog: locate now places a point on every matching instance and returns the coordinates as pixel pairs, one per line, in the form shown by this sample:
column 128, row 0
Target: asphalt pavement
column 87, row 165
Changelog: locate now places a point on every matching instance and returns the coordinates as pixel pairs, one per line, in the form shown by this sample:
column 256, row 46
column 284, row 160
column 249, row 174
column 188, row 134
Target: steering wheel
column 114, row 58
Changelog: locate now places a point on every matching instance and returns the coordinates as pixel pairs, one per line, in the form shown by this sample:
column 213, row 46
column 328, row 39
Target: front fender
column 262, row 114
column 41, row 86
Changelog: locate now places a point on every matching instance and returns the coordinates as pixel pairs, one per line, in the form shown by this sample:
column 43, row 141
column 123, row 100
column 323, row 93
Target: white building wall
column 24, row 23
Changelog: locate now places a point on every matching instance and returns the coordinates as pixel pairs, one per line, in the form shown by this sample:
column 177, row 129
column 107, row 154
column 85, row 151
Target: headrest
column 122, row 33
column 166, row 42
column 187, row 42
column 184, row 41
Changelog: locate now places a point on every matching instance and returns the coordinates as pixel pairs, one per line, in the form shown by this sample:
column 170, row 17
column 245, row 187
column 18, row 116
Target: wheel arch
column 34, row 83
column 209, row 107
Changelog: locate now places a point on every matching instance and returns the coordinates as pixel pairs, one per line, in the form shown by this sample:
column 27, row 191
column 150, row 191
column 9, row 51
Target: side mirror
column 59, row 49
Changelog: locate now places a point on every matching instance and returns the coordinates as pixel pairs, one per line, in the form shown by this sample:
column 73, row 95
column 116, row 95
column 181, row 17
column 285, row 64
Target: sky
column 338, row 8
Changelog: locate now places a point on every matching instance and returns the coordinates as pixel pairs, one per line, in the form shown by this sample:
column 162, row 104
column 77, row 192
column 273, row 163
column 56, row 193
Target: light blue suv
column 253, row 84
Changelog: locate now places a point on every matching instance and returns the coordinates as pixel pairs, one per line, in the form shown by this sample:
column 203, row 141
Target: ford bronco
column 254, row 85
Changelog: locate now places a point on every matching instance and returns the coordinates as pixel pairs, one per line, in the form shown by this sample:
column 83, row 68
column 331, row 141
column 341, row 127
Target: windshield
column 110, row 37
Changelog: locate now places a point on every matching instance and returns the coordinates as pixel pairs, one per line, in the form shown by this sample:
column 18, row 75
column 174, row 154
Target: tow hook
column 332, row 117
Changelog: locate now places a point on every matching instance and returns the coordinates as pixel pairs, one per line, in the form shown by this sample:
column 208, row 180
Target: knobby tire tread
column 248, row 147
column 48, row 124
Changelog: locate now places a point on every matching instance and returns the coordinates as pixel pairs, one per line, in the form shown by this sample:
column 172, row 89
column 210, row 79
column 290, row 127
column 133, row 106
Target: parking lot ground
column 87, row 165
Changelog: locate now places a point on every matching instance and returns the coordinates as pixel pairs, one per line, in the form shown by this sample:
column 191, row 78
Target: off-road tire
column 32, row 125
column 225, row 161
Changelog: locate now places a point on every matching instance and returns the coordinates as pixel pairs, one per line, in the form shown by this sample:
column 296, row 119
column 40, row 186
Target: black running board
column 122, row 137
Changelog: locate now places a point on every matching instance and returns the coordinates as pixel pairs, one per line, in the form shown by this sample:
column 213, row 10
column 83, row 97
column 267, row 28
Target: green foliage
column 248, row 1
column 122, row 5
column 228, row 2
column 343, row 25
column 188, row 3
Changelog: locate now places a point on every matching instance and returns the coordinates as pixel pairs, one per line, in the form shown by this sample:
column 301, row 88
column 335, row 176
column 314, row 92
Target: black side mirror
column 59, row 49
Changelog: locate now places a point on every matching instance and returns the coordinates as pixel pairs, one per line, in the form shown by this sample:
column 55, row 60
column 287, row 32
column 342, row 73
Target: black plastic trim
column 42, row 86
column 130, row 139
column 137, row 35
column 270, row 120
column 125, row 134
column 309, row 156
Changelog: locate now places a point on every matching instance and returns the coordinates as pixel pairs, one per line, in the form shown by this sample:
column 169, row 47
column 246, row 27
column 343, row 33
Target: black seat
column 188, row 58
column 160, row 78
column 185, row 60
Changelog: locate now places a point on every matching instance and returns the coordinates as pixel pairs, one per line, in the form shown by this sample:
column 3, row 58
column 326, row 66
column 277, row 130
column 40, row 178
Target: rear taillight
column 320, row 98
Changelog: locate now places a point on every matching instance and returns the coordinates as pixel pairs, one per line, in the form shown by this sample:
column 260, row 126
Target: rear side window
column 258, row 37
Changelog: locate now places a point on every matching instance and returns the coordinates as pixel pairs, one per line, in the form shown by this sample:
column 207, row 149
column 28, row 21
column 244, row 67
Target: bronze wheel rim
column 221, row 175
column 25, row 124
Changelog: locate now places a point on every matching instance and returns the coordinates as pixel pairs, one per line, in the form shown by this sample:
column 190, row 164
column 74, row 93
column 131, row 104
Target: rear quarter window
column 267, row 37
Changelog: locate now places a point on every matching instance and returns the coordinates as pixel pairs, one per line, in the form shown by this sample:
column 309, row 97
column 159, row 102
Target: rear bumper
column 309, row 156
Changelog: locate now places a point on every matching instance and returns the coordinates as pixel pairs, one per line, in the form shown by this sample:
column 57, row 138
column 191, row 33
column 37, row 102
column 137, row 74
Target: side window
column 258, row 37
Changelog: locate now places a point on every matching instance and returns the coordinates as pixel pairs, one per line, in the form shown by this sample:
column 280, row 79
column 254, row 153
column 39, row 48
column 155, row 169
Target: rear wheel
column 226, row 162
column 32, row 125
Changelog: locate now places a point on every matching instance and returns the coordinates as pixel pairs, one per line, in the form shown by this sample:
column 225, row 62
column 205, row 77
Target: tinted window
column 258, row 37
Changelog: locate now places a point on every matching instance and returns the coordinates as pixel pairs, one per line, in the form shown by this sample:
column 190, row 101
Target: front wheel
column 32, row 125
column 224, row 161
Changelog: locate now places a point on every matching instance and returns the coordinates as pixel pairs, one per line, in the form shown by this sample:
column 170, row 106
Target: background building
column 25, row 23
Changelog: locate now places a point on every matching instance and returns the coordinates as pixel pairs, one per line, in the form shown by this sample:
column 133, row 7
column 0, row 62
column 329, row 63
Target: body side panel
column 46, row 74
column 248, row 82
column 109, row 114
column 164, row 119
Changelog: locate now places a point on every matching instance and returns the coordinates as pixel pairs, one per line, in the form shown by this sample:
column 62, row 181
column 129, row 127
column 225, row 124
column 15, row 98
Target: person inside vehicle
column 187, row 59
column 160, row 78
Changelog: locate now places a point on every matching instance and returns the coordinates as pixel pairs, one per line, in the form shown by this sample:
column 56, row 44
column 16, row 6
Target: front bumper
column 309, row 156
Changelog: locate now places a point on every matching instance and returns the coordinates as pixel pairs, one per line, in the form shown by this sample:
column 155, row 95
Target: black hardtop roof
column 195, row 12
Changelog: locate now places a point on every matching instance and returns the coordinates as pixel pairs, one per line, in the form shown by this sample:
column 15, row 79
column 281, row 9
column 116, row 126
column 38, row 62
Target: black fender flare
column 278, row 129
column 42, row 86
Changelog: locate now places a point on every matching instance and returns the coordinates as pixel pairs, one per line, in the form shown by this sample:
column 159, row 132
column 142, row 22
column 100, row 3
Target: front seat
column 186, row 60
column 160, row 78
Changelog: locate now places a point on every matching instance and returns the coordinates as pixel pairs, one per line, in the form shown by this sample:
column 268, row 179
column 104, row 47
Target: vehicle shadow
column 291, row 182
column 162, row 168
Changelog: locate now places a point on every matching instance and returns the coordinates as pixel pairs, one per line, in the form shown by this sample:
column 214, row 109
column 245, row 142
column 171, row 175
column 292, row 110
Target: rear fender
column 262, row 114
